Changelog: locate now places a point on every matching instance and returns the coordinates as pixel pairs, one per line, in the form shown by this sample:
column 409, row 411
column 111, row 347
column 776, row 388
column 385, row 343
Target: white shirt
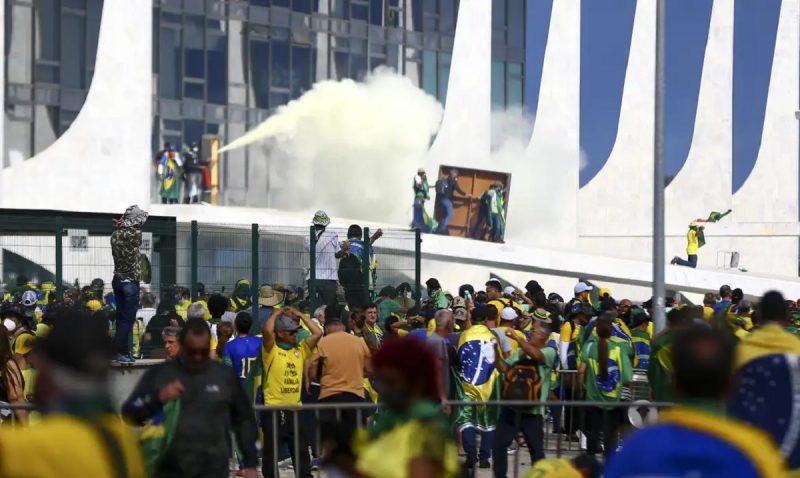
column 327, row 247
column 145, row 314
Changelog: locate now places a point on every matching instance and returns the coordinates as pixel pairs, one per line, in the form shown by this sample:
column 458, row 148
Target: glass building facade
column 222, row 67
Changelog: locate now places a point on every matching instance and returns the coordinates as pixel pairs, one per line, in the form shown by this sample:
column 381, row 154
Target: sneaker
column 132, row 358
column 674, row 260
column 484, row 464
column 123, row 359
column 512, row 448
column 471, row 461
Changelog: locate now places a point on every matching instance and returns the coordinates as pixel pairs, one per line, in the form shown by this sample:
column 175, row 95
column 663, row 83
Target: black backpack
column 522, row 381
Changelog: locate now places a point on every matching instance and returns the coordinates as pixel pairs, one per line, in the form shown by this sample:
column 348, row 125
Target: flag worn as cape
column 476, row 353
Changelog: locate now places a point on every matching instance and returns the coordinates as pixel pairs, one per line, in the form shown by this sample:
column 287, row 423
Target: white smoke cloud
column 349, row 147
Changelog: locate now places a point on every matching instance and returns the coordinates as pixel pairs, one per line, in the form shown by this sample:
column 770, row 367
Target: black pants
column 347, row 417
column 509, row 424
column 601, row 420
column 326, row 292
column 284, row 421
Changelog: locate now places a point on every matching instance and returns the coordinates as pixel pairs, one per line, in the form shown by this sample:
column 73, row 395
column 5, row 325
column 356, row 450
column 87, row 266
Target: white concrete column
column 770, row 192
column 545, row 180
column 704, row 182
column 618, row 201
column 464, row 138
column 102, row 163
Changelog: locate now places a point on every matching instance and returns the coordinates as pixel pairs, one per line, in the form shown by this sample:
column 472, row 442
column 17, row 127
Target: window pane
column 93, row 10
column 429, row 72
column 280, row 64
column 195, row 64
column 516, row 23
column 301, row 70
column 73, row 61
column 340, row 8
column 215, row 80
column 259, row 72
column 280, row 3
column 444, row 76
column 514, row 84
column 447, row 22
column 169, row 65
column 342, row 63
column 416, row 12
column 358, row 67
column 359, row 12
column 430, row 6
column 194, row 90
column 47, row 30
column 192, row 131
column 193, row 31
column 498, row 85
column 376, row 12
column 498, row 14
column 301, row 6
column 277, row 99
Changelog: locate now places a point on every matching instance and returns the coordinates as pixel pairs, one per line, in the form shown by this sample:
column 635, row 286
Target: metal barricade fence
column 553, row 442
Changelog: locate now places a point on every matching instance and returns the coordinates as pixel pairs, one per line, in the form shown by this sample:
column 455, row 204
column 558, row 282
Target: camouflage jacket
column 125, row 244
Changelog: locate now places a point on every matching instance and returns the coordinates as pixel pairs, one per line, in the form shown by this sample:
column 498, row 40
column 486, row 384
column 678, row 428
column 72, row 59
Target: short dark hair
column 217, row 305
column 371, row 305
column 389, row 292
column 243, row 322
column 194, row 326
column 725, row 291
column 702, row 358
column 709, row 299
column 479, row 313
column 494, row 284
column 773, row 307
column 354, row 231
column 491, row 312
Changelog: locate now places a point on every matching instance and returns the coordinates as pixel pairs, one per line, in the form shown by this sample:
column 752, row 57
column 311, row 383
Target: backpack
column 522, row 381
column 350, row 272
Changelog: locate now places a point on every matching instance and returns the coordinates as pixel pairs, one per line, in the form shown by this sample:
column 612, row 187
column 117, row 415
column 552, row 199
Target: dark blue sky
column 606, row 27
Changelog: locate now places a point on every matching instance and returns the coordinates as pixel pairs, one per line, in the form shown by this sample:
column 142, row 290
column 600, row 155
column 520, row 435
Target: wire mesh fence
column 57, row 253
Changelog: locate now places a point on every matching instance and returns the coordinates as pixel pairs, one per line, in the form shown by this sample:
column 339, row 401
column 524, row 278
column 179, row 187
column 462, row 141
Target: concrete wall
column 102, row 162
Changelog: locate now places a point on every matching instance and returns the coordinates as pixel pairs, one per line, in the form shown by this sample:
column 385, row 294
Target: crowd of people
column 401, row 369
column 183, row 170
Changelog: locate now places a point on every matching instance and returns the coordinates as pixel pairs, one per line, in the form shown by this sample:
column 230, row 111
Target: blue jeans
column 468, row 439
column 419, row 219
column 126, row 295
column 497, row 227
column 447, row 205
column 692, row 262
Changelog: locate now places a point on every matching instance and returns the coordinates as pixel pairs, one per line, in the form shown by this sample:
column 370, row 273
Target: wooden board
column 465, row 211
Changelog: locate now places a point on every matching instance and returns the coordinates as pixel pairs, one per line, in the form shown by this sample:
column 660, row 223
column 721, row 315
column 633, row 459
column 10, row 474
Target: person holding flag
column 477, row 380
column 696, row 239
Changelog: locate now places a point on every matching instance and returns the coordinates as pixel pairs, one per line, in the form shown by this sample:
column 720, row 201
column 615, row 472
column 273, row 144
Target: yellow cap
column 94, row 305
column 603, row 291
column 42, row 330
column 23, row 344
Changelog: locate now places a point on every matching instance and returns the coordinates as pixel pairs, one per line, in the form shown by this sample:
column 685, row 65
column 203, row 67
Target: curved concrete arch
column 464, row 136
column 770, row 192
column 703, row 184
column 550, row 165
column 622, row 192
column 108, row 144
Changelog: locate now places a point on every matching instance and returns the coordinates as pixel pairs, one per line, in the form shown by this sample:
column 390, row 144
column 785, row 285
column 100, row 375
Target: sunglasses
column 201, row 352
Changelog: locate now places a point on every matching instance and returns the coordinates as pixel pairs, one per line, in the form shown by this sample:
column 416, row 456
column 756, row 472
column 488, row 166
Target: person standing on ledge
column 445, row 187
column 125, row 243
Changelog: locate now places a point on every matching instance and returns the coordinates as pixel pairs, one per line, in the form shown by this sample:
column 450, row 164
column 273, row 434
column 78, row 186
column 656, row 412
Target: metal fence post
column 312, row 268
column 59, row 265
column 365, row 265
column 417, row 268
column 659, row 289
column 254, row 236
column 193, row 261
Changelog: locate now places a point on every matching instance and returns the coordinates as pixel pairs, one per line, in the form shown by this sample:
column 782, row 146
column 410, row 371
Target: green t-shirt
column 387, row 307
column 620, row 371
column 659, row 371
column 544, row 373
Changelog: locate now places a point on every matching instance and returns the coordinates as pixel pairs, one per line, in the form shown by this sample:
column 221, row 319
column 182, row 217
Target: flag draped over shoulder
column 476, row 353
column 157, row 436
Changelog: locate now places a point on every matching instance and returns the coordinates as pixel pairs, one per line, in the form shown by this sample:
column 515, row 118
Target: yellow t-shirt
column 553, row 468
column 284, row 374
column 66, row 446
column 694, row 244
column 514, row 344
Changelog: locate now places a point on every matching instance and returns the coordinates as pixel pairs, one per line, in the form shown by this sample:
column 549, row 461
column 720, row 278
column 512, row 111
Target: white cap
column 508, row 314
column 29, row 298
column 582, row 287
column 509, row 290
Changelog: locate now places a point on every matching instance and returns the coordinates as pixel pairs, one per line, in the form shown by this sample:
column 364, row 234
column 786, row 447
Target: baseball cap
column 285, row 324
column 509, row 290
column 604, row 291
column 638, row 317
column 554, row 298
column 508, row 314
column 23, row 344
column 29, row 298
column 582, row 287
column 580, row 308
column 459, row 314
